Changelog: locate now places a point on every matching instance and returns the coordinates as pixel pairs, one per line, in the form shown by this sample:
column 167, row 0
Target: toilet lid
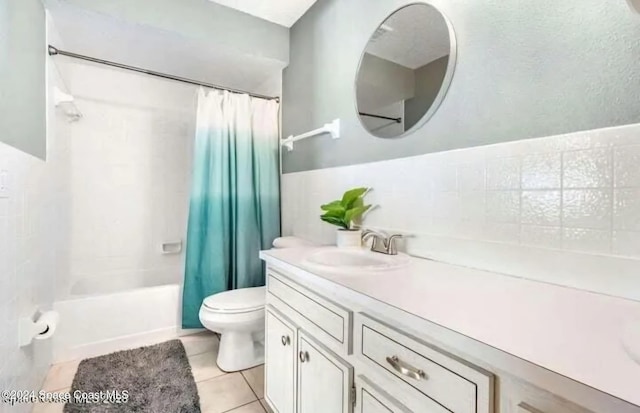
column 237, row 301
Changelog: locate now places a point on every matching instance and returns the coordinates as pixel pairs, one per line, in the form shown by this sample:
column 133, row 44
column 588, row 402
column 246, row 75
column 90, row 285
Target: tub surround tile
column 119, row 165
column 224, row 393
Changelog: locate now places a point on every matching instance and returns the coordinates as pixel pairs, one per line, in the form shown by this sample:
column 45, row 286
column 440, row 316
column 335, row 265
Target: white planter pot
column 349, row 238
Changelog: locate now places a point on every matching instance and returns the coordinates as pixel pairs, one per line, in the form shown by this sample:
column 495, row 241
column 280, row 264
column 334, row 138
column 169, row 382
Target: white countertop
column 574, row 333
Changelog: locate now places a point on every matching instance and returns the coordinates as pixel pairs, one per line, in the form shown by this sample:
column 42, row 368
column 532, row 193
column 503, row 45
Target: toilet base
column 240, row 350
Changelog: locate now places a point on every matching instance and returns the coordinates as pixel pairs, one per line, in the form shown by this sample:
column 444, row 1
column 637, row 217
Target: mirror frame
column 446, row 82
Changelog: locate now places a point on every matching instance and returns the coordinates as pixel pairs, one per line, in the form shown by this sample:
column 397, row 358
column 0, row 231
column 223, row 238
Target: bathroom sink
column 346, row 260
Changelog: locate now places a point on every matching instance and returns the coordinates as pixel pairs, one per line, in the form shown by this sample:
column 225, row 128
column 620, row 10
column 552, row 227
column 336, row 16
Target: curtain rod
column 55, row 51
column 371, row 115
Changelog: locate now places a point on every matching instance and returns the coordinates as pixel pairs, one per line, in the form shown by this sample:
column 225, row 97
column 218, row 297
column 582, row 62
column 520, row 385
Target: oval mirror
column 405, row 70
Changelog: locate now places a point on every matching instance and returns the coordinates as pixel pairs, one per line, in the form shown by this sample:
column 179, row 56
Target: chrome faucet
column 381, row 242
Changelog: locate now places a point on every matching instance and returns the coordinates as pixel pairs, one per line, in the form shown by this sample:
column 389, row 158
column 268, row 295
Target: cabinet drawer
column 526, row 398
column 317, row 314
column 372, row 399
column 434, row 374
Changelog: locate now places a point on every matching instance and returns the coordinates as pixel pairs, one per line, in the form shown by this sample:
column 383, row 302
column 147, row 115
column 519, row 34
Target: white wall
column 33, row 226
column 22, row 75
column 129, row 176
column 562, row 209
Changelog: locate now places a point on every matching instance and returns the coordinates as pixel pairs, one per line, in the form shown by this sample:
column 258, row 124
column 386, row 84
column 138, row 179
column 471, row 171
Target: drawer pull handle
column 527, row 408
column 303, row 356
column 406, row 369
column 285, row 340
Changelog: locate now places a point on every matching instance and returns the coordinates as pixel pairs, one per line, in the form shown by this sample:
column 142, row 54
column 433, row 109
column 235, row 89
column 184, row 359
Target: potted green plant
column 343, row 213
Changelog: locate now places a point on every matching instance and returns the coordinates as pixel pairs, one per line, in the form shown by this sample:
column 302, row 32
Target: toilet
column 238, row 316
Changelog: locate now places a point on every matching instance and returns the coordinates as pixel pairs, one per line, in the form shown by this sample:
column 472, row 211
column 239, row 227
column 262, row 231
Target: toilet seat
column 243, row 300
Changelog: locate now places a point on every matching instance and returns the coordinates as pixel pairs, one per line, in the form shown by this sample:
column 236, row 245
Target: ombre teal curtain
column 234, row 207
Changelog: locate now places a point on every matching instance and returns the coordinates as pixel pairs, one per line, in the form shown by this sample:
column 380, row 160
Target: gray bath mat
column 157, row 379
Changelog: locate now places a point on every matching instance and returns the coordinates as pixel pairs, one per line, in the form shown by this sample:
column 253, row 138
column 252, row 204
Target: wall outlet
column 4, row 184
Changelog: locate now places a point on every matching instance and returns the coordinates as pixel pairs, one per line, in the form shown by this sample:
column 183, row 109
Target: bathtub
column 122, row 312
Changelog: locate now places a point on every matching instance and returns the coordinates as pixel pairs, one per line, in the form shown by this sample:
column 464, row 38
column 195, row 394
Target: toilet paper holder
column 40, row 326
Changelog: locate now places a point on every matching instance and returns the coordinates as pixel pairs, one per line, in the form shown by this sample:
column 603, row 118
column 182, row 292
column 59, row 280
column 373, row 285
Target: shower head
column 60, row 97
column 66, row 102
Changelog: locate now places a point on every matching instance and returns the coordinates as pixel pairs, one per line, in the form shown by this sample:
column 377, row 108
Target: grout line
column 242, row 405
column 249, row 384
column 562, row 192
column 612, row 203
column 223, row 374
column 520, row 190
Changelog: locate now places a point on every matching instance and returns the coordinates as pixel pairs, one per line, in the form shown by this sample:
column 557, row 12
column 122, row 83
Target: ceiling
column 282, row 12
column 412, row 37
column 102, row 36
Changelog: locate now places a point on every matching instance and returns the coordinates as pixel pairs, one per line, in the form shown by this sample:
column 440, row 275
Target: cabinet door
column 324, row 380
column 280, row 362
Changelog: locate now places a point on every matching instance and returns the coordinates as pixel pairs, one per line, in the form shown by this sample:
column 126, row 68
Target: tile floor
column 220, row 392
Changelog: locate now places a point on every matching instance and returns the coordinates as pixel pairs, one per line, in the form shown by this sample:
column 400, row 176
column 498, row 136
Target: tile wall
column 563, row 209
column 129, row 178
column 85, row 210
column 33, row 227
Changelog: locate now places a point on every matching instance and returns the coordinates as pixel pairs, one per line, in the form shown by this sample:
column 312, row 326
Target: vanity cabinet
column 329, row 350
column 301, row 374
column 312, row 344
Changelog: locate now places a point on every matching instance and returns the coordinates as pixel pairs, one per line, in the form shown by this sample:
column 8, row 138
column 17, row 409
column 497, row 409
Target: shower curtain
column 234, row 207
